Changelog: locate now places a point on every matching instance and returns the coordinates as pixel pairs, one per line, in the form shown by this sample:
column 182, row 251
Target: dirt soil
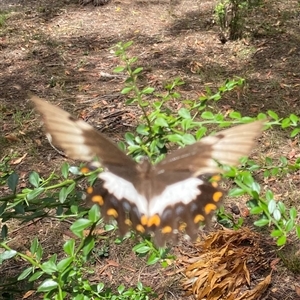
column 63, row 52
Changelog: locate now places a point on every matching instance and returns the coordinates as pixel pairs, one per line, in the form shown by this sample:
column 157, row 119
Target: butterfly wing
column 203, row 157
column 186, row 195
column 81, row 141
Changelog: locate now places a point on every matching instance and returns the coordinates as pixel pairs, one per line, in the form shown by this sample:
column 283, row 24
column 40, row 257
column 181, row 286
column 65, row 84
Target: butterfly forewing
column 226, row 147
column 81, row 141
column 174, row 195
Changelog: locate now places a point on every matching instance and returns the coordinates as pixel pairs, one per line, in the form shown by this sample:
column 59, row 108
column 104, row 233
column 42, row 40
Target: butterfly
column 177, row 194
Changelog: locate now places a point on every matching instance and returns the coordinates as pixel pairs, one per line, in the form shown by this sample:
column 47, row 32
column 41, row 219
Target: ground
column 63, row 52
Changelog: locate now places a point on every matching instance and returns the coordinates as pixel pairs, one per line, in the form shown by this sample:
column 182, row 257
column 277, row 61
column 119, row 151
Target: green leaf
column 69, row 247
column 127, row 45
column 273, row 115
column 298, row 231
column 79, row 225
column 137, row 70
column 65, row 170
column 269, row 195
column 64, row 264
column 33, row 194
column 7, row 255
column 70, row 188
column 39, row 253
column 295, row 132
column 36, row 276
column 271, row 206
column 121, row 289
column 153, row 259
column 34, row 245
column 235, row 115
column 4, row 231
column 47, row 285
column 289, row 225
column 285, row 123
column 187, row 124
column 281, row 241
column 3, row 207
column 130, row 101
column 122, row 146
column 255, row 187
column 142, row 129
column 201, row 132
column 49, row 267
column 161, row 122
column 12, row 181
column 129, row 137
column 277, row 214
column 236, row 192
column 294, row 119
column 188, row 139
column 25, row 273
column 126, row 90
column 141, row 249
column 34, row 179
column 109, row 227
column 293, row 213
column 174, row 138
column 207, row 115
column 118, row 69
column 261, row 222
column 281, row 207
column 256, row 210
column 148, row 90
column 94, row 213
column 88, row 246
column 261, row 116
column 283, row 160
column 74, row 170
column 184, row 113
column 62, row 195
column 276, row 233
column 269, row 160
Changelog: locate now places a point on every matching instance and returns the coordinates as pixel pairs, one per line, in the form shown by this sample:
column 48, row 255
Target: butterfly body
column 175, row 194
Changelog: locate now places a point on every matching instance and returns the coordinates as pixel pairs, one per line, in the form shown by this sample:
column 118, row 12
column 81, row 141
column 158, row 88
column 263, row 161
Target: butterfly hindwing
column 165, row 216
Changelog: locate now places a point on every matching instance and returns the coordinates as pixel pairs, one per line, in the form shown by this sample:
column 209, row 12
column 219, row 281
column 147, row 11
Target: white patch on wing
column 122, row 188
column 183, row 191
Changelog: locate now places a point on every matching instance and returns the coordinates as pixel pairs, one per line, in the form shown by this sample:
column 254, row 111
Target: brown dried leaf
column 12, row 138
column 18, row 160
column 28, row 294
column 297, row 289
column 257, row 291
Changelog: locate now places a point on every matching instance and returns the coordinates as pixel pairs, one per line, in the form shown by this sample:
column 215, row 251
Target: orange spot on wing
column 166, row 229
column 98, row 199
column 217, row 196
column 128, row 222
column 198, row 218
column 89, row 190
column 154, row 220
column 85, row 170
column 140, row 228
column 182, row 226
column 209, row 208
column 112, row 212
